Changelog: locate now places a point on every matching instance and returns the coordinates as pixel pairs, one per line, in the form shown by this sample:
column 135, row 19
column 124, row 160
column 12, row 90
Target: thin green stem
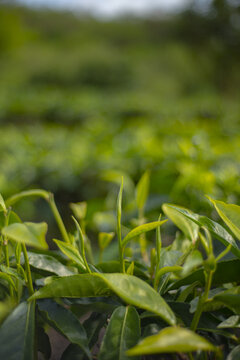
column 201, row 301
column 58, row 218
column 81, row 236
column 119, row 229
column 224, row 252
column 28, row 271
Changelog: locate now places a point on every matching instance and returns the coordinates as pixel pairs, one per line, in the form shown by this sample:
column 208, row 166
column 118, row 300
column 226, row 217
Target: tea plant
column 178, row 300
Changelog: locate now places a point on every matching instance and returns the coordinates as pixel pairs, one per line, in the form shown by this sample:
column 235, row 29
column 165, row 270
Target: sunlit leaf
column 188, row 227
column 142, row 190
column 230, row 214
column 132, row 290
column 32, row 234
column 171, row 340
column 140, row 230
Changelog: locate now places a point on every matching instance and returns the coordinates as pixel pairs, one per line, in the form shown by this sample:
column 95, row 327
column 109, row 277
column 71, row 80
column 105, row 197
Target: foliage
column 174, row 299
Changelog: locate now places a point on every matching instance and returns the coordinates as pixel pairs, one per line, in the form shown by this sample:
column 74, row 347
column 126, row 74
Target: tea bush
column 156, row 298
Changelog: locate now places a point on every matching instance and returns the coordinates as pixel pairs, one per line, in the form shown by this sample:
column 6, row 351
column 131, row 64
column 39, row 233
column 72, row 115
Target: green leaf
column 229, row 298
column 231, row 322
column 215, row 229
column 28, row 193
column 188, row 227
column 119, row 213
column 2, row 205
column 93, row 325
column 71, row 252
column 64, row 321
column 48, row 263
column 132, row 290
column 79, row 209
column 28, row 233
column 17, row 333
column 227, row 271
column 234, row 354
column 122, row 333
column 104, row 239
column 140, row 230
column 194, row 260
column 142, row 190
column 171, row 340
column 230, row 214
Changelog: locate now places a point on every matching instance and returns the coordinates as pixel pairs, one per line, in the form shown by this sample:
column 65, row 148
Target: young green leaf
column 79, row 209
column 171, row 340
column 131, row 289
column 230, row 214
column 64, row 321
column 104, row 239
column 214, row 228
column 2, row 204
column 122, row 333
column 140, row 230
column 142, row 190
column 71, row 252
column 17, row 333
column 188, row 227
column 32, row 234
column 28, row 193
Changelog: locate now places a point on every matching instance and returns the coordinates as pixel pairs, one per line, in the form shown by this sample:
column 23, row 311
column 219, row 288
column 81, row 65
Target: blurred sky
column 112, row 7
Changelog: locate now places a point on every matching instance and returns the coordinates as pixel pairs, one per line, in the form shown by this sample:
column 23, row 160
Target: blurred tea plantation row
column 85, row 101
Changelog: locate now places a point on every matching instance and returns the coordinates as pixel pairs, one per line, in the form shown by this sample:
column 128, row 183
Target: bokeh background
column 93, row 90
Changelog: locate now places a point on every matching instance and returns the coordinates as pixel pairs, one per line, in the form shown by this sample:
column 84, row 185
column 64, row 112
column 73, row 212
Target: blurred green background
column 84, row 101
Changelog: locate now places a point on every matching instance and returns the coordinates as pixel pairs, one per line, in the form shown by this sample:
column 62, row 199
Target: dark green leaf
column 132, row 290
column 227, row 271
column 64, row 321
column 17, row 333
column 122, row 333
column 234, row 354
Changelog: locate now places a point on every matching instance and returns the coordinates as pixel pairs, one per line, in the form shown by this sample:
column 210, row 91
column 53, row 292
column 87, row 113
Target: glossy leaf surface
column 215, row 229
column 48, row 263
column 132, row 290
column 17, row 333
column 122, row 333
column 64, row 321
column 189, row 228
column 170, row 340
column 230, row 214
column 32, row 234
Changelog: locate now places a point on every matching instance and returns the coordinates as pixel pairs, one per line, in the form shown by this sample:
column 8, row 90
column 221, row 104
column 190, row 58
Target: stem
column 224, row 252
column 201, row 301
column 58, row 218
column 28, row 271
column 119, row 230
column 81, row 236
column 163, row 271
